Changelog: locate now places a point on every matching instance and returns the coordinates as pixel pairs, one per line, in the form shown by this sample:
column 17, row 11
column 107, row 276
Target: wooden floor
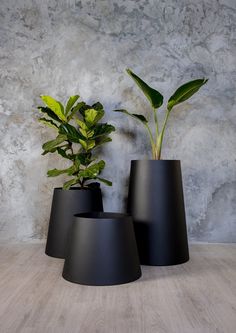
column 198, row 297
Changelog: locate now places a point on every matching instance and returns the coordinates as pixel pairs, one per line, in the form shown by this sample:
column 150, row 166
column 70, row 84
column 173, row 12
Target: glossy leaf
column 56, row 172
column 48, row 122
column 52, row 144
column 103, row 129
column 69, row 183
column 97, row 106
column 76, row 109
column 93, row 171
column 185, row 91
column 92, row 116
column 72, row 134
column 154, row 97
column 101, row 140
column 70, row 103
column 62, row 152
column 105, row 181
column 55, row 106
column 139, row 117
column 49, row 113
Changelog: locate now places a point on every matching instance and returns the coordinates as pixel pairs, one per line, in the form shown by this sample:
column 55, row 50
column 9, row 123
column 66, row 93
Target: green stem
column 156, row 123
column 160, row 138
column 151, row 140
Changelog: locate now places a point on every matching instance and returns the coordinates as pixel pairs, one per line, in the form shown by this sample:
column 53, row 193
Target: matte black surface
column 156, row 204
column 102, row 250
column 65, row 204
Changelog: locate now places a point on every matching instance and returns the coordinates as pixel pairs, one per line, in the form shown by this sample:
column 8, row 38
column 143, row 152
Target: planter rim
column 103, row 216
column 78, row 189
column 150, row 160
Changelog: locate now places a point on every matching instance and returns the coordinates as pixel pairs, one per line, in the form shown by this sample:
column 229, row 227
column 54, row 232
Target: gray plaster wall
column 65, row 47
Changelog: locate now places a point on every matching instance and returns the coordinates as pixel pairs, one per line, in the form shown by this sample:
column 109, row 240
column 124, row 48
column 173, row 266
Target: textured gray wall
column 64, row 47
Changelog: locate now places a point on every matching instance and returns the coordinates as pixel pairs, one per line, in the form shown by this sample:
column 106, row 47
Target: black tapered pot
column 65, row 204
column 102, row 250
column 156, row 203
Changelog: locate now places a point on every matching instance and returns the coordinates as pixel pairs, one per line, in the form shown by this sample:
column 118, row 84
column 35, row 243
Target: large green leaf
column 101, row 140
column 102, row 129
column 185, row 91
column 48, row 122
column 70, row 103
column 154, row 97
column 49, row 113
column 97, row 106
column 85, row 158
column 72, row 134
column 62, row 152
column 92, row 116
column 69, row 183
column 139, row 117
column 55, row 106
column 105, row 181
column 87, row 144
column 93, row 170
column 52, row 144
column 56, row 172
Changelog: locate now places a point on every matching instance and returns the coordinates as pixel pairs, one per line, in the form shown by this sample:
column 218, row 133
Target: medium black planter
column 156, row 204
column 65, row 204
column 102, row 250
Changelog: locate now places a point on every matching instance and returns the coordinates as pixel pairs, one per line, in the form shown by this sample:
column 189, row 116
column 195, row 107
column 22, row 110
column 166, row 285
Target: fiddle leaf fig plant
column 78, row 132
column 155, row 99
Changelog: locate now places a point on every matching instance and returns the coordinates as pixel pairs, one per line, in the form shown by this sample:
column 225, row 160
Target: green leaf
column 84, row 158
column 103, row 129
column 81, row 123
column 154, row 97
column 48, row 122
column 62, row 152
column 83, row 144
column 185, row 91
column 49, row 113
column 139, row 117
column 55, row 106
column 51, row 145
column 92, row 116
column 69, row 183
column 72, row 134
column 87, row 145
column 76, row 109
column 83, row 108
column 56, row 172
column 105, row 181
column 101, row 140
column 70, row 103
column 86, row 133
column 93, row 170
column 97, row 106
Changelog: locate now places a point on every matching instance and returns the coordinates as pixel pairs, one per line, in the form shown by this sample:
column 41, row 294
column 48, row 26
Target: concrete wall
column 64, row 47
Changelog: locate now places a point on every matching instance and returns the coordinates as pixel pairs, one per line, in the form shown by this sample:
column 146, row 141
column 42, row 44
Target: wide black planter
column 102, row 250
column 65, row 204
column 156, row 203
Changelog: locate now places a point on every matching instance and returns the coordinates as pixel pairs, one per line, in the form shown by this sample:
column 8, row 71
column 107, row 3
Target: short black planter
column 156, row 204
column 65, row 204
column 102, row 250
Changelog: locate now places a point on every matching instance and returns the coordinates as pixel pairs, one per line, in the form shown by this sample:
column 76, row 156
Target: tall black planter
column 156, row 204
column 65, row 204
column 102, row 250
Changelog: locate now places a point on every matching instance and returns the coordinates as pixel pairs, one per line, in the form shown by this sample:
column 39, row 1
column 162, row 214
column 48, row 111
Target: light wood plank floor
column 198, row 297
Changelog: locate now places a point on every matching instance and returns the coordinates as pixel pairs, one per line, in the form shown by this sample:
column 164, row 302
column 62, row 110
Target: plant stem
column 160, row 138
column 151, row 140
column 156, row 123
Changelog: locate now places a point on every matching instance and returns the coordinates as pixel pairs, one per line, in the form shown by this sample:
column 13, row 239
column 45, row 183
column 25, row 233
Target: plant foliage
column 155, row 99
column 78, row 131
